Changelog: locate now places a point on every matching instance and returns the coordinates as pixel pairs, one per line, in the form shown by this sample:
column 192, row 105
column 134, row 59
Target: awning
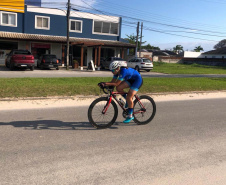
column 61, row 39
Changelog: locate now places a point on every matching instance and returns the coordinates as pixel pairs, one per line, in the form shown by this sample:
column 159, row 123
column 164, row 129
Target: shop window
column 8, row 19
column 75, row 26
column 42, row 22
column 105, row 28
column 38, row 49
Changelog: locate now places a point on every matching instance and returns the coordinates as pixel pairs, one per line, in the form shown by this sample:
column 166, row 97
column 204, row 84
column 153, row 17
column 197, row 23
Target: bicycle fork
column 107, row 105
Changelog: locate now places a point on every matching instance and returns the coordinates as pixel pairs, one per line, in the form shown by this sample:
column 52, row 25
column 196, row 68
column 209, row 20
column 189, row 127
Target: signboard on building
column 12, row 5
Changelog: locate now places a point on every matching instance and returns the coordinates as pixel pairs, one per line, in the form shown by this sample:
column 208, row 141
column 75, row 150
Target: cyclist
column 125, row 78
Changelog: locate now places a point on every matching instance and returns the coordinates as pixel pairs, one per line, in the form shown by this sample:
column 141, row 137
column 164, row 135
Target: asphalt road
column 184, row 144
column 52, row 73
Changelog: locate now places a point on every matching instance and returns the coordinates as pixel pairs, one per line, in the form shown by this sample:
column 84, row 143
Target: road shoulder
column 58, row 102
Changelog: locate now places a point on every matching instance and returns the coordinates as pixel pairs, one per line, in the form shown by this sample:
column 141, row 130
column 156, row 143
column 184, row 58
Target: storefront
column 38, row 49
column 5, row 48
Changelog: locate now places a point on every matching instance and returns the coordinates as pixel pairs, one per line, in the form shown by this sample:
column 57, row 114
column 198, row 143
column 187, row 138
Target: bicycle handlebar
column 106, row 89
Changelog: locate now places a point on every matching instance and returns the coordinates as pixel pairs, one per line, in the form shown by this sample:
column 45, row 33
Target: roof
column 159, row 52
column 217, row 51
column 62, row 39
column 163, row 53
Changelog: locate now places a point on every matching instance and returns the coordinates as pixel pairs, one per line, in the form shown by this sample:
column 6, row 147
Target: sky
column 166, row 23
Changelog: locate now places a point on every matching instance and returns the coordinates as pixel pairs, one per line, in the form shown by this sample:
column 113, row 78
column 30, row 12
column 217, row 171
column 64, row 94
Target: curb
column 82, row 97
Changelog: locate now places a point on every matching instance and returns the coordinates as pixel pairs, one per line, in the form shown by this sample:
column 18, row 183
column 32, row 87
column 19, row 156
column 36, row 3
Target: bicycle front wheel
column 101, row 114
column 144, row 110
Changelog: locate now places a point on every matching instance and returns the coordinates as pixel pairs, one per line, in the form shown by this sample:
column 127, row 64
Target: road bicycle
column 103, row 111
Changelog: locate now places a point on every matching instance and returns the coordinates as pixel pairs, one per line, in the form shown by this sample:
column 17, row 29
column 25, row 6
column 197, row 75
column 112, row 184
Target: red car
column 21, row 59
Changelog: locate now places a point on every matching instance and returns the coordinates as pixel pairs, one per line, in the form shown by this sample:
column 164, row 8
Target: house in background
column 159, row 55
column 213, row 57
column 44, row 30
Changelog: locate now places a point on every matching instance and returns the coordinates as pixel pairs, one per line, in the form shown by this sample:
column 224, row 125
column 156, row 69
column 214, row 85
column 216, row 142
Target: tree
column 178, row 49
column 198, row 49
column 132, row 40
column 148, row 46
column 220, row 44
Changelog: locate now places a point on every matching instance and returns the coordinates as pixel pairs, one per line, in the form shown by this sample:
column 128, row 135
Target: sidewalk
column 54, row 102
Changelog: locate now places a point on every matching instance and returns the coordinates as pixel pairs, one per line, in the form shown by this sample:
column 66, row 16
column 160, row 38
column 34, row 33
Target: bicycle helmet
column 114, row 65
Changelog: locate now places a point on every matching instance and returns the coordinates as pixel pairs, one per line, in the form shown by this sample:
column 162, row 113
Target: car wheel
column 148, row 70
column 57, row 68
column 11, row 66
column 32, row 68
column 7, row 65
column 137, row 68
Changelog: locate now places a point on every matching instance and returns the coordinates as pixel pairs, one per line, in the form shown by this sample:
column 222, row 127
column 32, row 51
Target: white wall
column 213, row 56
column 192, row 54
column 56, row 49
column 89, row 55
column 145, row 54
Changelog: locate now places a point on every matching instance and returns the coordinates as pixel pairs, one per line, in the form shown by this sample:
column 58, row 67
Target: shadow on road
column 52, row 125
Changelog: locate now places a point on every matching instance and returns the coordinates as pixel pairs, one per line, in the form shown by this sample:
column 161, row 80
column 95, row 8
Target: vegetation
column 178, row 49
column 220, row 44
column 198, row 49
column 170, row 68
column 132, row 40
column 43, row 87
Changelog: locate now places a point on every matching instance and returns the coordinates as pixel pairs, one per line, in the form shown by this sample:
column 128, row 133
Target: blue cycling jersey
column 131, row 76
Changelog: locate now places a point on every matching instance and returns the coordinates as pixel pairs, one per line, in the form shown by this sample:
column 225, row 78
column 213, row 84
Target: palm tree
column 198, row 49
column 178, row 49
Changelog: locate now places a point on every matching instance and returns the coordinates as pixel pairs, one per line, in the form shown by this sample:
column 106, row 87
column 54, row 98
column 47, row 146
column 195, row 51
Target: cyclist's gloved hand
column 101, row 84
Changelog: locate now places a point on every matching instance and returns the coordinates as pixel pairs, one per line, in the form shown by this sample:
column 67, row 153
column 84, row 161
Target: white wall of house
column 155, row 58
column 56, row 49
column 89, row 54
column 214, row 56
column 22, row 45
column 145, row 54
column 192, row 54
column 117, row 52
column 73, row 14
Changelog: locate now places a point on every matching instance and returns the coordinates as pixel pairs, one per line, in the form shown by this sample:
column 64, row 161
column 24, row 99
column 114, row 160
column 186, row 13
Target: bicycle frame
column 113, row 95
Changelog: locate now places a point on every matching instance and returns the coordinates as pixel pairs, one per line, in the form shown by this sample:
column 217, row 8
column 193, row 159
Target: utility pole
column 141, row 38
column 68, row 16
column 138, row 25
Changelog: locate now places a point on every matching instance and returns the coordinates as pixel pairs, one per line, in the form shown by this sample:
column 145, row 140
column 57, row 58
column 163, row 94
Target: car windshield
column 146, row 60
column 49, row 56
column 117, row 59
column 22, row 52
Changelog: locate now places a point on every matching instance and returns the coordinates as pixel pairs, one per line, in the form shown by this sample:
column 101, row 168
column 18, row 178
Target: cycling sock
column 130, row 112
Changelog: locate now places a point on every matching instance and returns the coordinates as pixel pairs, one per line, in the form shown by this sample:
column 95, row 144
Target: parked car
column 140, row 64
column 48, row 61
column 105, row 63
column 20, row 58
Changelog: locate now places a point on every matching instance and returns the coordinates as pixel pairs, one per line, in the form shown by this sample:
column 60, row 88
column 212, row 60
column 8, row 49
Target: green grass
column 43, row 87
column 170, row 68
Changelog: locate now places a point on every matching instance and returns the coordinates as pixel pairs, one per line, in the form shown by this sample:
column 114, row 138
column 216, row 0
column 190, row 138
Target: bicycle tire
column 97, row 118
column 149, row 114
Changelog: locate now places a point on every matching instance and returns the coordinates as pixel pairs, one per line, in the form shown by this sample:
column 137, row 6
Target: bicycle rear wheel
column 144, row 110
column 96, row 116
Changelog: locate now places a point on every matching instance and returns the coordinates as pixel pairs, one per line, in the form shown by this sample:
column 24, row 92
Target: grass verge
column 43, row 87
column 169, row 68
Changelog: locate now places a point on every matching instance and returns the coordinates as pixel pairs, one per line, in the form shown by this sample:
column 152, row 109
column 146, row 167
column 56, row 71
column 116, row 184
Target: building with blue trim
column 44, row 30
